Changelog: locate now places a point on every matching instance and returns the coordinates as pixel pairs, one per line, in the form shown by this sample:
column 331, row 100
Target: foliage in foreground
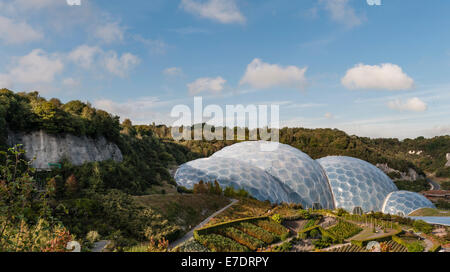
column 26, row 223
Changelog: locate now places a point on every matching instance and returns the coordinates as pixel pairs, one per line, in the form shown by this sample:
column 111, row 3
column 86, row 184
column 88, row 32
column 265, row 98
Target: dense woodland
column 97, row 196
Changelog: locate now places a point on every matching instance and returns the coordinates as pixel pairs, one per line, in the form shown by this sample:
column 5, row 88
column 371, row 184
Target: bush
column 314, row 233
column 277, row 218
column 415, row 247
column 93, row 236
column 284, row 247
column 422, row 226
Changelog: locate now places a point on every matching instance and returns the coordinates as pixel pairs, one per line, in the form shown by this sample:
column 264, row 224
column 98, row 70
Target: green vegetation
column 242, row 238
column 422, row 226
column 415, row 247
column 273, row 227
column 343, row 230
column 257, row 232
column 218, row 243
column 26, row 223
column 430, row 212
column 418, row 185
column 192, row 246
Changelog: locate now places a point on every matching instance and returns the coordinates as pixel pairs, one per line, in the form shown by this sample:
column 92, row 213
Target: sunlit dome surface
column 404, row 202
column 356, row 183
column 304, row 176
column 231, row 172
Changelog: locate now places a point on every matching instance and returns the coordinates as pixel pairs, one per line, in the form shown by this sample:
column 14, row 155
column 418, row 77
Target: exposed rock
column 411, row 175
column 47, row 148
column 448, row 160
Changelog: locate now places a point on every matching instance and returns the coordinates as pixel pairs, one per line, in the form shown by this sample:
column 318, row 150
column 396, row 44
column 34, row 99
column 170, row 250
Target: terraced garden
column 241, row 235
column 343, row 230
column 390, row 246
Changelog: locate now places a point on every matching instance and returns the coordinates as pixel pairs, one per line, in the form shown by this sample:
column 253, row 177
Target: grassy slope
column 186, row 210
column 430, row 212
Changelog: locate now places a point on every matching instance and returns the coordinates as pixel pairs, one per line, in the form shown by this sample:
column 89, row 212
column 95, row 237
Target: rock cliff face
column 47, row 148
column 448, row 160
column 411, row 175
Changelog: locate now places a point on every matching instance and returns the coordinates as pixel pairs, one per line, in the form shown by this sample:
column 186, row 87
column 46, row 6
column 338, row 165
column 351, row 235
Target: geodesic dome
column 404, row 203
column 304, row 177
column 356, row 183
column 235, row 173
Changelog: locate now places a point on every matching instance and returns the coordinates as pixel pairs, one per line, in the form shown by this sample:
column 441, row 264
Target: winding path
column 190, row 234
column 434, row 185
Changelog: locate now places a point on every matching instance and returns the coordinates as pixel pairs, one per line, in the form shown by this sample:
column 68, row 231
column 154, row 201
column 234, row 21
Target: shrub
column 314, row 233
column 422, row 226
column 277, row 218
column 415, row 247
column 93, row 236
column 284, row 247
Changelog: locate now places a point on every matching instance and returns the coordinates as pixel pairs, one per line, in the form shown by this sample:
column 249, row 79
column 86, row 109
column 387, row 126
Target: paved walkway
column 100, row 246
column 190, row 234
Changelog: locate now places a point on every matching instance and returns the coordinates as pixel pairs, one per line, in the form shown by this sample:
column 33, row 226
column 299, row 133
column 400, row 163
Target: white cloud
column 71, row 82
column 36, row 67
column 206, row 84
column 12, row 32
column 412, row 104
column 109, row 32
column 223, row 11
column 386, row 76
column 141, row 110
column 328, row 115
column 173, row 71
column 5, row 81
column 89, row 57
column 264, row 75
column 341, row 12
column 158, row 47
column 15, row 6
column 120, row 66
column 84, row 55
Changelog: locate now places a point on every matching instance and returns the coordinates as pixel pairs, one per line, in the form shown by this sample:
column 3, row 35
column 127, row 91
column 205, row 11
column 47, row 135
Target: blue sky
column 370, row 70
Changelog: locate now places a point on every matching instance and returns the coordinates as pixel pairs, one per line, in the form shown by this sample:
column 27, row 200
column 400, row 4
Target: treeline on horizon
column 29, row 112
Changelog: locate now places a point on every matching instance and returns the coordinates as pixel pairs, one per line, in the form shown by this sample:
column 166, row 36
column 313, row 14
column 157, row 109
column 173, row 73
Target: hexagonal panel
column 295, row 169
column 404, row 202
column 235, row 173
column 356, row 183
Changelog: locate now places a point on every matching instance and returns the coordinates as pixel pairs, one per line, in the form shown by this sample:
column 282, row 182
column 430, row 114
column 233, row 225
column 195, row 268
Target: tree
column 21, row 205
column 200, row 188
column 71, row 185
